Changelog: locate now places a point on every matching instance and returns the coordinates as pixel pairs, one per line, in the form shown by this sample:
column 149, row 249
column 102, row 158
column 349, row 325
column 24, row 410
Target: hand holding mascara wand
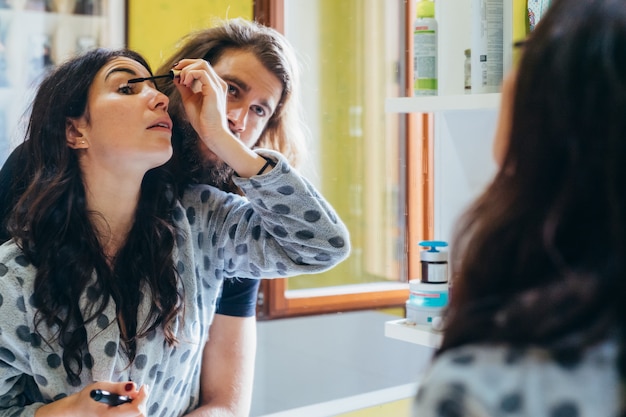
column 109, row 398
column 196, row 87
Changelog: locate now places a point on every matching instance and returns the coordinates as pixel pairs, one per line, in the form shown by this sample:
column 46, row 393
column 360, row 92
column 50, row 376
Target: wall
column 335, row 364
column 155, row 26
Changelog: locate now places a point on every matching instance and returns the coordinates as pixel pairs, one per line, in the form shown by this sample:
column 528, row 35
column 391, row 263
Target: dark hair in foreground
column 52, row 225
column 540, row 257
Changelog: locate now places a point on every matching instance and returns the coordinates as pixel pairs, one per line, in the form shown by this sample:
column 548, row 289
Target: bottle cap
column 426, row 8
column 432, row 254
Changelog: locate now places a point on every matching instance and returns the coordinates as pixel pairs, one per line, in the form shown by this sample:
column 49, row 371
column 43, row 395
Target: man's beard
column 198, row 165
column 201, row 166
column 217, row 173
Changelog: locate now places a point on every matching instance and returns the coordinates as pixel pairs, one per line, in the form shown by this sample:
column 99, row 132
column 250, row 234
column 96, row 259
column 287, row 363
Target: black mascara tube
column 109, row 398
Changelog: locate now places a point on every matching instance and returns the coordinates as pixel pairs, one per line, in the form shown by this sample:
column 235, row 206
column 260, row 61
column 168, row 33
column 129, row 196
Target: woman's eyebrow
column 120, row 69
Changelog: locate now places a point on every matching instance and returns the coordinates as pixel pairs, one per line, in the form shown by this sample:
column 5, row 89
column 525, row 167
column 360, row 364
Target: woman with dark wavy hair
column 260, row 68
column 536, row 321
column 110, row 279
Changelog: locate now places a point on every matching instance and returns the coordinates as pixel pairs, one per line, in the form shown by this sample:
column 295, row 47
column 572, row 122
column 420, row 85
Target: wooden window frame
column 275, row 300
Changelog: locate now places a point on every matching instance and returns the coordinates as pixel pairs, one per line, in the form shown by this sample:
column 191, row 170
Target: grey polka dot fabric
column 500, row 381
column 281, row 228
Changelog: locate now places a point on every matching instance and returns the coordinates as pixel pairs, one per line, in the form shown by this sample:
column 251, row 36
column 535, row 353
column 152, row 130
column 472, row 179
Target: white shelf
column 413, row 333
column 432, row 104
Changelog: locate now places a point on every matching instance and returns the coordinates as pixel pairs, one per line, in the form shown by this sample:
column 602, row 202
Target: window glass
column 351, row 55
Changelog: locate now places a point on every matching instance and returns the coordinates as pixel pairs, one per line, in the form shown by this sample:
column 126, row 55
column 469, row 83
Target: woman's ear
column 74, row 136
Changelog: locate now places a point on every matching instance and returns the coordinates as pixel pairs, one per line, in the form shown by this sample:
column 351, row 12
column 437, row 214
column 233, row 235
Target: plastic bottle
column 429, row 295
column 434, row 262
column 487, row 45
column 426, row 302
column 425, row 50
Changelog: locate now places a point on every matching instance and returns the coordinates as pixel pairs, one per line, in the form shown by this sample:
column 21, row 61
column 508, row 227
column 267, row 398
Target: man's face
column 253, row 94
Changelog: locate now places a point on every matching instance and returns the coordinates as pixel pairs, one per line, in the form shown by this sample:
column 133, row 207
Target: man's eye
column 259, row 111
column 232, row 90
column 126, row 89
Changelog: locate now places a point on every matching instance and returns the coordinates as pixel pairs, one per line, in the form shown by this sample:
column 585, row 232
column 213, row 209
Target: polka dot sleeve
column 16, row 335
column 283, row 227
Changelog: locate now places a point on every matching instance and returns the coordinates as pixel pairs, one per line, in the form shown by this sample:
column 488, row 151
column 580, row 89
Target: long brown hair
column 540, row 257
column 52, row 226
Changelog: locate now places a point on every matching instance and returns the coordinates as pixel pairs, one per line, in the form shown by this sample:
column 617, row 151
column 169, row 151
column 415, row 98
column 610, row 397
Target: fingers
column 143, row 394
column 117, row 390
column 196, row 73
column 128, row 388
column 196, row 85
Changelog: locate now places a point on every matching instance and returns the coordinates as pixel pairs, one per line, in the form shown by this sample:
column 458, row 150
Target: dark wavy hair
column 285, row 131
column 540, row 257
column 51, row 224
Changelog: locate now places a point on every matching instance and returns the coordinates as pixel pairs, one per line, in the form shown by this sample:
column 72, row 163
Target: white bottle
column 425, row 50
column 487, row 45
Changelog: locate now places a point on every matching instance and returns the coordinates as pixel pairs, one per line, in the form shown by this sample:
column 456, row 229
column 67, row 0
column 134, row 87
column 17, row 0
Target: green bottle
column 425, row 50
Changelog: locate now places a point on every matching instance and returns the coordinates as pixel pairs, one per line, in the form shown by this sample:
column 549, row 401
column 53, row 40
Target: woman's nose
column 160, row 100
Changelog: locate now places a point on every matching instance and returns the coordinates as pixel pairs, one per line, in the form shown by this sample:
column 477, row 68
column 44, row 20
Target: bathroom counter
column 413, row 333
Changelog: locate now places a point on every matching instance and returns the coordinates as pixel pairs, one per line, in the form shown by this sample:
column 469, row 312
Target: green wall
column 154, row 26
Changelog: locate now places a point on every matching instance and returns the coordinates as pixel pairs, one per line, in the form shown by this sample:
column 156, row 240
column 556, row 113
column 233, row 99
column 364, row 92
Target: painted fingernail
column 129, row 386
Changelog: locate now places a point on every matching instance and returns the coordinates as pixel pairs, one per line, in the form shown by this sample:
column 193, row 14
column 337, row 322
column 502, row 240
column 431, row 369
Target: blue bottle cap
column 433, row 254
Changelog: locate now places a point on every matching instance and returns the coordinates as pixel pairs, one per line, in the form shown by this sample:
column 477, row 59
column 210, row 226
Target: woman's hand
column 82, row 404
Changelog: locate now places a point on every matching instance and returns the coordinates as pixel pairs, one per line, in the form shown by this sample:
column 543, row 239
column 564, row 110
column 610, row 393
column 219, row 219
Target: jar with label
column 426, row 302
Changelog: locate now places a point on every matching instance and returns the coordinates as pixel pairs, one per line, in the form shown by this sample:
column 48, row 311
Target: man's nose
column 237, row 116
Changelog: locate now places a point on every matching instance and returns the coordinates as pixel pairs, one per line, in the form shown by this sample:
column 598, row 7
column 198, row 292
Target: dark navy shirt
column 238, row 297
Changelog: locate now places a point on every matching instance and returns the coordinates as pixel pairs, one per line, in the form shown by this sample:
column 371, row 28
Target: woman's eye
column 232, row 90
column 126, row 89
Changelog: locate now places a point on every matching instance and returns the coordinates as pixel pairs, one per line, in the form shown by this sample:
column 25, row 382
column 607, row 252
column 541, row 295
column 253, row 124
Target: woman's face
column 505, row 118
column 126, row 127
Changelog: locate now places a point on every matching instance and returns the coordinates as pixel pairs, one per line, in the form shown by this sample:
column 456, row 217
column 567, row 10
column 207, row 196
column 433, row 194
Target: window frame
column 276, row 300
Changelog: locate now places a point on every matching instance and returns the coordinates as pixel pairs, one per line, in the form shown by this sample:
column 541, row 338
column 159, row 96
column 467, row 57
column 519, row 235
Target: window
column 372, row 166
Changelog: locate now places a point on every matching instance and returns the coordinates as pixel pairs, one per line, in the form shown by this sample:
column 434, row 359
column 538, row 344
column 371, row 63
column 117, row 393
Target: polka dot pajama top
column 282, row 228
column 499, row 381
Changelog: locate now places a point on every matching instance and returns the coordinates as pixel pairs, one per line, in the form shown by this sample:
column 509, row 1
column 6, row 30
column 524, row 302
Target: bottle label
column 434, row 273
column 432, row 300
column 487, row 45
column 424, row 60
